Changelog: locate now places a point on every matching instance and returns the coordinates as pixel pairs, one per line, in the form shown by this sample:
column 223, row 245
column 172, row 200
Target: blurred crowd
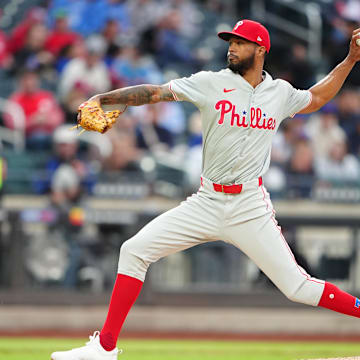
column 61, row 52
column 58, row 53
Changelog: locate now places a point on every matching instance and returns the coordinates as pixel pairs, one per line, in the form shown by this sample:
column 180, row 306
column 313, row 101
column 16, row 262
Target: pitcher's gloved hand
column 92, row 117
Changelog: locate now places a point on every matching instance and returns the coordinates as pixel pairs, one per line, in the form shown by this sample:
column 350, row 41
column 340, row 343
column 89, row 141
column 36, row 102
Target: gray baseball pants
column 245, row 220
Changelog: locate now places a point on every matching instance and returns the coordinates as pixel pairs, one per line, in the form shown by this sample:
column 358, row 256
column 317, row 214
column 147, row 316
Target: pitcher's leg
column 261, row 239
column 187, row 225
column 193, row 222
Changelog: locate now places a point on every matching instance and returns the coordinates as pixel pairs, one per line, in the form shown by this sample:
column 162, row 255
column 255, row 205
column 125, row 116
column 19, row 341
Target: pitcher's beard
column 242, row 66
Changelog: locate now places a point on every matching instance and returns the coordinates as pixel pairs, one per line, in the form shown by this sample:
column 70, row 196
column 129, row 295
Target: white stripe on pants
column 245, row 220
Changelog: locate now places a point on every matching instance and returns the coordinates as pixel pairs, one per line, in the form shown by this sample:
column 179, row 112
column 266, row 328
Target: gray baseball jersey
column 238, row 121
column 238, row 125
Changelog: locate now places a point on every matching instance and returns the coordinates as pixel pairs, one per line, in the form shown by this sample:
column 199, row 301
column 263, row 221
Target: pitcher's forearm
column 327, row 88
column 136, row 95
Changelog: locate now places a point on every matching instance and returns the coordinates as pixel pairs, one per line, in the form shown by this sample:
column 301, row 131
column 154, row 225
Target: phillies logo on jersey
column 258, row 119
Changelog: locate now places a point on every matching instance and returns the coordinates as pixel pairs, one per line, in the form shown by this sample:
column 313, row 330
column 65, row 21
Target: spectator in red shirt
column 18, row 36
column 41, row 110
column 61, row 36
column 5, row 57
column 33, row 54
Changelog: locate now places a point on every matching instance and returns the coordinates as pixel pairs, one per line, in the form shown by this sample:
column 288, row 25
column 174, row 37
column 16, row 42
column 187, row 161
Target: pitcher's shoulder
column 281, row 83
column 207, row 76
column 217, row 75
column 223, row 72
column 209, row 73
column 215, row 72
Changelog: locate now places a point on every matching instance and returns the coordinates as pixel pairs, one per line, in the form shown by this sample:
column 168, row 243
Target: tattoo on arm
column 166, row 94
column 137, row 95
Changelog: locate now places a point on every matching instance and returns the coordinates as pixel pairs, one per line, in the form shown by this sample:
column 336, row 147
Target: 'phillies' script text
column 258, row 119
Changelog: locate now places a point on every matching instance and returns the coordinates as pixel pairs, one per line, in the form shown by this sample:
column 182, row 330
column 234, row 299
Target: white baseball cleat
column 91, row 351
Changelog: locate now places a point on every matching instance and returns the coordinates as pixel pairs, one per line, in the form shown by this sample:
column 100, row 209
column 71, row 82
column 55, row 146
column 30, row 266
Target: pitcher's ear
column 261, row 50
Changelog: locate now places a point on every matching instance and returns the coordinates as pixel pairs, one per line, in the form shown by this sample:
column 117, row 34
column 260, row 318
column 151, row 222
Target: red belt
column 231, row 189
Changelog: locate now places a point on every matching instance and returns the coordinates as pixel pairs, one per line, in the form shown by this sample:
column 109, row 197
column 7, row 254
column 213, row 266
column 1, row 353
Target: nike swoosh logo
column 228, row 90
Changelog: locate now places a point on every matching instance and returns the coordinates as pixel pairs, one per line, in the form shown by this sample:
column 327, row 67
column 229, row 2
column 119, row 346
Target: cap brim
column 226, row 35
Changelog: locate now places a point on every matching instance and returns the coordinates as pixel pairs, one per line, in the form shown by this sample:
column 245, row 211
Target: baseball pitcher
column 242, row 107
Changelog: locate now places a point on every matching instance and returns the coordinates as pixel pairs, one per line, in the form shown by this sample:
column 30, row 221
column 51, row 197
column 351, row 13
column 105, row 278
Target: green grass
column 41, row 348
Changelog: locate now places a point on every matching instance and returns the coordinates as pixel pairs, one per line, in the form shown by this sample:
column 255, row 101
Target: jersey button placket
column 248, row 118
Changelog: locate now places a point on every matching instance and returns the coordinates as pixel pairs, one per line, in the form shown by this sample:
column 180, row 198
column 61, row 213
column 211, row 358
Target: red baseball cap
column 249, row 30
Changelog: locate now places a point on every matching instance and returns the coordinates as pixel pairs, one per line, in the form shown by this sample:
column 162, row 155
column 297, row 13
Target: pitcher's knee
column 126, row 249
column 131, row 261
column 296, row 297
column 309, row 292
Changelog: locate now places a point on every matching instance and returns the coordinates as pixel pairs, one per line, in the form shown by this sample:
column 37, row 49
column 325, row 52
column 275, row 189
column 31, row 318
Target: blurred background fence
column 69, row 202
